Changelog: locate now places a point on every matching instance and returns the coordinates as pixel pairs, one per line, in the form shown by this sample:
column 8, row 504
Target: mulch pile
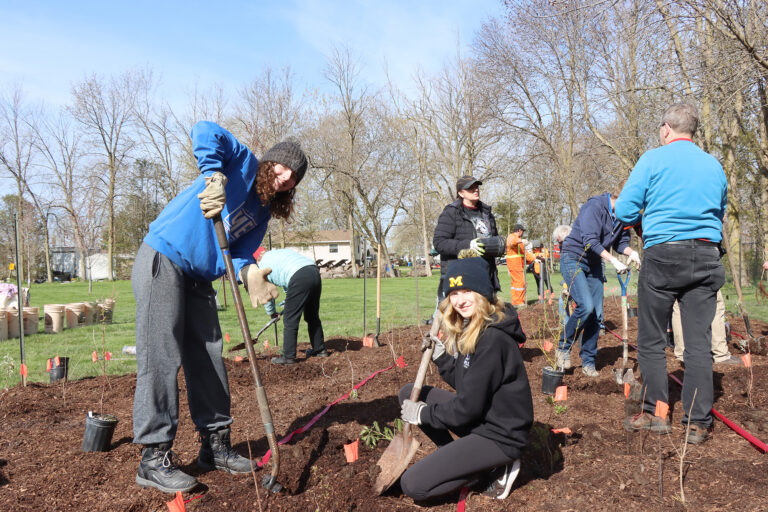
column 597, row 467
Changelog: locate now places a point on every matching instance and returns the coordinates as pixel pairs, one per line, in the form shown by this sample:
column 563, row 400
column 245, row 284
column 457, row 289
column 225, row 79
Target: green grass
column 341, row 310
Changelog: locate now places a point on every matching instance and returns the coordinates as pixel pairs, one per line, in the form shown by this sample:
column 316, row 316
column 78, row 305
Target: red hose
column 743, row 433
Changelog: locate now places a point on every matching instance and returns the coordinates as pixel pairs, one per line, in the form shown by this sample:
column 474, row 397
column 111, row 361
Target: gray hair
column 682, row 118
column 561, row 233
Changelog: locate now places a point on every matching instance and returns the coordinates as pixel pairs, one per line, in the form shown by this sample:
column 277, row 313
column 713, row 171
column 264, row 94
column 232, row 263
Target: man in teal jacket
column 681, row 192
column 300, row 278
column 176, row 319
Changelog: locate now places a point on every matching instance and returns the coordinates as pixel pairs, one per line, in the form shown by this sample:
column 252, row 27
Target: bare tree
column 106, row 111
column 17, row 152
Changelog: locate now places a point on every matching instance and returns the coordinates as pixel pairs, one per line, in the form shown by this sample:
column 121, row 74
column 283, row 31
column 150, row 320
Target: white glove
column 259, row 289
column 439, row 347
column 477, row 245
column 212, row 199
column 634, row 258
column 411, row 411
column 619, row 266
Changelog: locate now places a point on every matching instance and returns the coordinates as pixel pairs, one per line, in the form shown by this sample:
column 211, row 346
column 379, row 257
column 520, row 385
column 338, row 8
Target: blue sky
column 48, row 45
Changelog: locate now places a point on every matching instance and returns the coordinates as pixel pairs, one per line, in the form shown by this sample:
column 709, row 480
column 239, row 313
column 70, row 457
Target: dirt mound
column 597, row 467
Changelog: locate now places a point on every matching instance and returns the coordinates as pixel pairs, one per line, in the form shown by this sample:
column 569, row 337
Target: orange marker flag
column 48, row 366
column 662, row 408
column 23, row 370
column 108, row 355
column 400, row 362
column 94, row 356
column 56, row 361
column 176, row 504
column 626, row 390
column 747, row 360
column 561, row 393
column 239, row 359
column 564, row 430
column 351, row 450
column 547, row 345
column 266, row 343
column 226, row 337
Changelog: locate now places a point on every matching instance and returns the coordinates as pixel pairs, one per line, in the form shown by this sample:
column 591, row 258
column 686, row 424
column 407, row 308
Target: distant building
column 64, row 264
column 326, row 245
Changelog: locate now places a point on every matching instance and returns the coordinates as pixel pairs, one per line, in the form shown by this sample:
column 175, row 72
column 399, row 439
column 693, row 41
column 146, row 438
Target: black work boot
column 159, row 469
column 216, row 452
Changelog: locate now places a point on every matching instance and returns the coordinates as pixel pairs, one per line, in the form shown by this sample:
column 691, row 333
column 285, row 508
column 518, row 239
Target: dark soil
column 598, row 467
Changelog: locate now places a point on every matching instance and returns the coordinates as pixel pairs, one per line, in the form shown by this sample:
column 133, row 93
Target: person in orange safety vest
column 540, row 271
column 517, row 258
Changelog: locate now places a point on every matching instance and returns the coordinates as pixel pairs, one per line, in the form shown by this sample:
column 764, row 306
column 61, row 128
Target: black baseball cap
column 519, row 227
column 466, row 182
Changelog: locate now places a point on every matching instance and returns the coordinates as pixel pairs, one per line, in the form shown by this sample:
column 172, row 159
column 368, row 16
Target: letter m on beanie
column 455, row 281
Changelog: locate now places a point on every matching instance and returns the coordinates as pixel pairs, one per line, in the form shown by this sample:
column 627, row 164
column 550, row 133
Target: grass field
column 341, row 311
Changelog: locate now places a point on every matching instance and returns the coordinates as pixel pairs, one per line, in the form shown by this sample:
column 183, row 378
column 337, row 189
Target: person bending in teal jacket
column 176, row 319
column 300, row 278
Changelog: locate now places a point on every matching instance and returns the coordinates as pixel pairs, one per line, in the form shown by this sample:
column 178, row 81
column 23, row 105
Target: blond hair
column 463, row 339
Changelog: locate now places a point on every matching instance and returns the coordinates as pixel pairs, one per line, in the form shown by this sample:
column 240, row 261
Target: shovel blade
column 394, row 461
column 623, row 376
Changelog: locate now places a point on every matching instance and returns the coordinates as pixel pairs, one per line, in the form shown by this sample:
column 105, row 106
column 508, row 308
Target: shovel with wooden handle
column 624, row 374
column 269, row 481
column 403, row 447
column 378, row 296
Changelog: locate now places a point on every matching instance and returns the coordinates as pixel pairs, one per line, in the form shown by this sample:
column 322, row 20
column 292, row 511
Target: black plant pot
column 61, row 371
column 550, row 380
column 98, row 432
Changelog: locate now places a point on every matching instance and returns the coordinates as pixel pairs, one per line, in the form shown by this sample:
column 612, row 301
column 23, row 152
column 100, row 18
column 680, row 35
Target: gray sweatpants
column 176, row 325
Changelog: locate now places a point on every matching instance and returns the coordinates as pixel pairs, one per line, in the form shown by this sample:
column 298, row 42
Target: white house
column 330, row 245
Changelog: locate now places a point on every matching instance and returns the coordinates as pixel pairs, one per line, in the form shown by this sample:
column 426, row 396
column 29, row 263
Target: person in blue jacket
column 299, row 277
column 491, row 411
column 176, row 319
column 594, row 232
column 681, row 192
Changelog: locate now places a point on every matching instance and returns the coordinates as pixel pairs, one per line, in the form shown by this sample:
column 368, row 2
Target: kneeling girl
column 491, row 410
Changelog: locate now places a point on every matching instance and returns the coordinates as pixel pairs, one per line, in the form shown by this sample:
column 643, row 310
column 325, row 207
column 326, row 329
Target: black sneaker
column 216, row 452
column 502, row 479
column 159, row 468
column 319, row 353
column 283, row 360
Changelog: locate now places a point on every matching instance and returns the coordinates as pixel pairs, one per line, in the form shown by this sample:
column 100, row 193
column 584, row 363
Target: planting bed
column 597, row 467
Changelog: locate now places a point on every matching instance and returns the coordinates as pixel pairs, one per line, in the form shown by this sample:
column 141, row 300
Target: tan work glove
column 212, row 199
column 255, row 281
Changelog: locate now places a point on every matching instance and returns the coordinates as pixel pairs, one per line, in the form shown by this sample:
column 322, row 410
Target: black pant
column 690, row 273
column 303, row 295
column 455, row 463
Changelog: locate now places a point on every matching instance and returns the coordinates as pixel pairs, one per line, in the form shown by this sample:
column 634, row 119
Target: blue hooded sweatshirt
column 597, row 228
column 188, row 239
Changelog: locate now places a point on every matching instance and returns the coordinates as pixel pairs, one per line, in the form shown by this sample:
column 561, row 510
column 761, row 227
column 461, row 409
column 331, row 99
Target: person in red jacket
column 491, row 410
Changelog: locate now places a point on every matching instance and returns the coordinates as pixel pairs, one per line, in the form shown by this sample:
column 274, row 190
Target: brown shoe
column 645, row 421
column 699, row 433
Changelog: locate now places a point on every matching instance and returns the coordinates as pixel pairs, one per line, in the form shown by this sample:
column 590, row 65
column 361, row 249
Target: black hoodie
column 493, row 398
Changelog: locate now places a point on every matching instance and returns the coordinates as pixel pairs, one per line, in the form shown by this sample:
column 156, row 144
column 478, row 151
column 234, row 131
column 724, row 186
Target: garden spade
column 403, row 447
column 269, row 481
column 623, row 375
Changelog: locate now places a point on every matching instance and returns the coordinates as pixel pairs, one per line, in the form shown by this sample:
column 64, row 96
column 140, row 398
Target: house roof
column 322, row 236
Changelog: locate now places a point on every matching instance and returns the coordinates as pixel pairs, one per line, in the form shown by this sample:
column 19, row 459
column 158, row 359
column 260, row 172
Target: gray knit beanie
column 288, row 153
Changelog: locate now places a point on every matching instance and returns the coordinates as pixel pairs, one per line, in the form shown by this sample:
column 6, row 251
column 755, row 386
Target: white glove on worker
column 255, row 281
column 634, row 258
column 477, row 245
column 439, row 347
column 619, row 266
column 212, row 199
column 411, row 411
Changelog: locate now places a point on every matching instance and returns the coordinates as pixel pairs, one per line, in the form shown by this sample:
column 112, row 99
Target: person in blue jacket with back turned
column 594, row 232
column 681, row 192
column 176, row 319
column 299, row 277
